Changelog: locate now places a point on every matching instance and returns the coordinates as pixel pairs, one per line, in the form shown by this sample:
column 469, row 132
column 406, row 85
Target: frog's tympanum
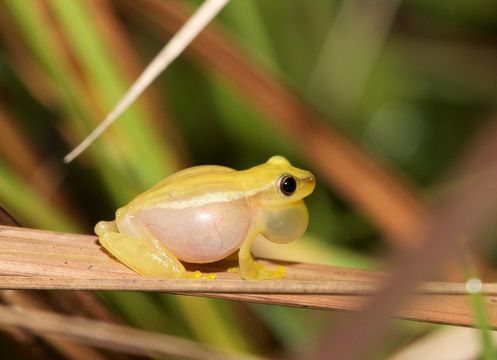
column 205, row 213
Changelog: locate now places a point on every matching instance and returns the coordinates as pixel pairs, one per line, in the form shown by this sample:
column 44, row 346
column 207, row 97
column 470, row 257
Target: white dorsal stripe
column 211, row 197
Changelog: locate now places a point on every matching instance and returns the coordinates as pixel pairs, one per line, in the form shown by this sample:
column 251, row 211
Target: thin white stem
column 195, row 24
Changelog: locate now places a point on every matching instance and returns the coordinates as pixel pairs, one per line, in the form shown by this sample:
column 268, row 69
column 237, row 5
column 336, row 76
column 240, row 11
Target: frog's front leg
column 251, row 269
column 143, row 254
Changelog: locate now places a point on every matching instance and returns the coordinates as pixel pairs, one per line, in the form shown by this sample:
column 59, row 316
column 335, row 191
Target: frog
column 207, row 213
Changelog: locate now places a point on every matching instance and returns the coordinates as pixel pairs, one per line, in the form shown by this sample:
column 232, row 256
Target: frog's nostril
column 310, row 179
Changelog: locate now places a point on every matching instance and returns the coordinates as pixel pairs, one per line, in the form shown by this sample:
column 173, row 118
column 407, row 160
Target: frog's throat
column 285, row 224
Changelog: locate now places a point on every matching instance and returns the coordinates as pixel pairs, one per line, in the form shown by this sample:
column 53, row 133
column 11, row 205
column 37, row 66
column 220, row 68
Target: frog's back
column 195, row 183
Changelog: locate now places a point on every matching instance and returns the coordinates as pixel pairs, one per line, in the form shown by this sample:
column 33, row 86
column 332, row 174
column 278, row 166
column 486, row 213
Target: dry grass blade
column 83, row 301
column 109, row 336
column 7, row 219
column 21, row 155
column 463, row 211
column 230, row 286
column 69, row 349
column 453, row 343
column 37, row 259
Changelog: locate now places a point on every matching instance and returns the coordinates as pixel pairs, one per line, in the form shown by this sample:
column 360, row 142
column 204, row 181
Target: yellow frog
column 205, row 213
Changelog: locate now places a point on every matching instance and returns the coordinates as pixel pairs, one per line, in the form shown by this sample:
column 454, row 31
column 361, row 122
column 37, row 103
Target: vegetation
column 378, row 99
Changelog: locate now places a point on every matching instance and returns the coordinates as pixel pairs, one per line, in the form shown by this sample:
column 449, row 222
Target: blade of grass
column 45, row 39
column 26, row 68
column 114, row 31
column 43, row 44
column 27, row 205
column 215, row 333
column 423, row 55
column 31, row 300
column 40, row 259
column 481, row 320
column 453, row 342
column 351, row 49
column 245, row 16
column 464, row 211
column 44, row 175
column 7, row 219
column 147, row 152
column 109, row 336
column 152, row 317
column 205, row 13
column 65, row 347
column 478, row 305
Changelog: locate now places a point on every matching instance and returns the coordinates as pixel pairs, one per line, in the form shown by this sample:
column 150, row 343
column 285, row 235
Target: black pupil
column 288, row 185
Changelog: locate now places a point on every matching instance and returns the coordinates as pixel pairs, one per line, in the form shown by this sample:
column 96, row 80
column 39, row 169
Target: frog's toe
column 103, row 227
column 261, row 272
column 235, row 269
column 197, row 275
column 266, row 273
column 276, row 273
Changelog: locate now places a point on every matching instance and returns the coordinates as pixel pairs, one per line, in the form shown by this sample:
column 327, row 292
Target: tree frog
column 205, row 213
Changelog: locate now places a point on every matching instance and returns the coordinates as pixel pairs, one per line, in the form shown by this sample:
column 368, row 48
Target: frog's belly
column 199, row 234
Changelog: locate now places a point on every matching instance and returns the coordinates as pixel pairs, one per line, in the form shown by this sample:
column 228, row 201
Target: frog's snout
column 310, row 179
column 308, row 183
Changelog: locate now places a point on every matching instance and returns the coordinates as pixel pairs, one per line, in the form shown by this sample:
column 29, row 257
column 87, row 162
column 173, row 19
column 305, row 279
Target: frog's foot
column 197, row 275
column 253, row 270
column 145, row 256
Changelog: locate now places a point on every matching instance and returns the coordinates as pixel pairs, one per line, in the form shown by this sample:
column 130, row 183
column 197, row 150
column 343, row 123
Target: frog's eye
column 287, row 185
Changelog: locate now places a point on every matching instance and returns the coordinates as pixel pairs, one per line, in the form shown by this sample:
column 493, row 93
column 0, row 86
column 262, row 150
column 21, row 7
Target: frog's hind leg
column 251, row 269
column 144, row 255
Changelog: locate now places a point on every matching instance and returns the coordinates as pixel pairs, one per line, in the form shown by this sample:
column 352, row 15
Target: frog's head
column 280, row 182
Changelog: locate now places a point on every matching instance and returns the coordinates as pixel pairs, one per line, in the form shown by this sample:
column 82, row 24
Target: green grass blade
column 149, row 158
column 477, row 300
column 28, row 206
column 481, row 319
column 200, row 312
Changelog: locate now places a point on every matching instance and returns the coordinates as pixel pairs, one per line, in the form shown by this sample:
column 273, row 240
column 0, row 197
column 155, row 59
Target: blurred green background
column 408, row 82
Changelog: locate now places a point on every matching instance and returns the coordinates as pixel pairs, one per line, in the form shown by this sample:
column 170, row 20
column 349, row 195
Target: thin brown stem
column 109, row 336
column 36, row 259
column 224, row 286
